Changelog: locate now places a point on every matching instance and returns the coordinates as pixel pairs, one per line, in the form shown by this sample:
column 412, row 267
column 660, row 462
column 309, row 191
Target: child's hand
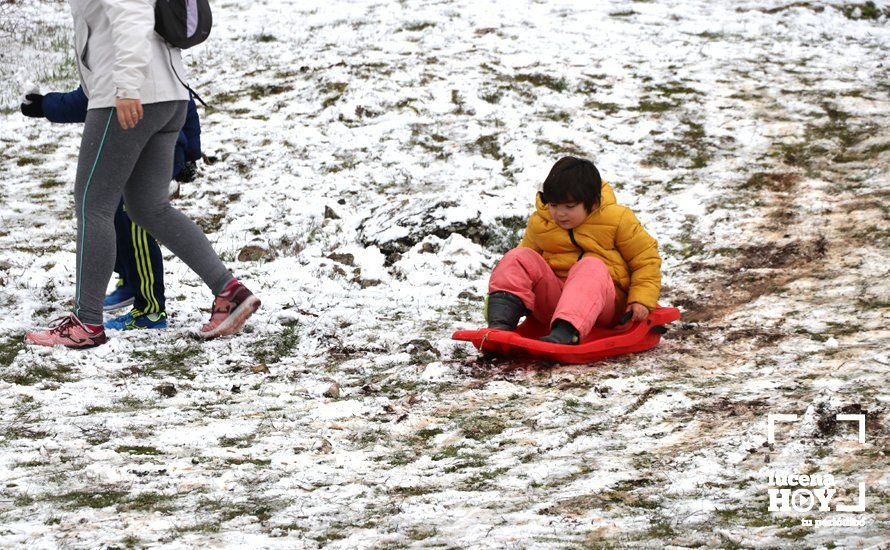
column 640, row 312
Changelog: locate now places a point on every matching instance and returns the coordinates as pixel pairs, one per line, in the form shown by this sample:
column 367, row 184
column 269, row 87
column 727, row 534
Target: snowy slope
column 378, row 157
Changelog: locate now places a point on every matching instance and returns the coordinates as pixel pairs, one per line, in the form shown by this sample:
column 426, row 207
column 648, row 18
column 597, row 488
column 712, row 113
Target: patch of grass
column 650, row 106
column 549, row 148
column 491, row 95
column 227, row 510
column 482, row 479
column 254, row 461
column 44, row 148
column 459, row 104
column 266, row 38
column 489, row 146
column 30, row 464
column 401, row 458
column 175, row 360
column 421, row 532
column 428, row 433
column 128, row 404
column 865, row 10
column 138, row 450
column 465, row 462
column 481, row 428
column 51, row 183
column 332, row 535
column 412, row 491
column 240, row 441
column 429, row 142
column 203, row 527
column 27, row 161
column 33, row 373
column 90, row 499
column 505, row 236
column 278, row 346
column 660, row 529
column 557, row 116
column 672, row 88
column 771, row 181
column 419, row 26
column 333, row 92
column 541, row 80
column 260, row 91
column 149, row 502
column 223, row 98
column 23, row 500
column 603, row 107
column 131, row 541
column 450, row 451
column 690, row 150
column 9, row 350
column 830, row 140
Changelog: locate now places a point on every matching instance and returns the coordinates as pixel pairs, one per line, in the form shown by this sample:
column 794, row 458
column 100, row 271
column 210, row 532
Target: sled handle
column 625, row 318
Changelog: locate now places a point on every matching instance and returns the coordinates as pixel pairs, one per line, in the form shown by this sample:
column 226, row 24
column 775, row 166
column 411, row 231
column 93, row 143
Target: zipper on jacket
column 574, row 242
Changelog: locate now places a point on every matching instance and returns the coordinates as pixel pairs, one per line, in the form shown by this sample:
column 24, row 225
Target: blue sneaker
column 123, row 296
column 136, row 320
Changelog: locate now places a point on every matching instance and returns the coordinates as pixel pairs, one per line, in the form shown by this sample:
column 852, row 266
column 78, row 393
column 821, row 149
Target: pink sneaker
column 69, row 332
column 230, row 311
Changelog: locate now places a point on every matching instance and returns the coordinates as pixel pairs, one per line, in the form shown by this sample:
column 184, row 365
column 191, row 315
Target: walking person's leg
column 107, row 156
column 146, row 194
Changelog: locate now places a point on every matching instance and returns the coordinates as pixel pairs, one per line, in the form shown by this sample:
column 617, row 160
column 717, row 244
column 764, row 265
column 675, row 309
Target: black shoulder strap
column 187, row 87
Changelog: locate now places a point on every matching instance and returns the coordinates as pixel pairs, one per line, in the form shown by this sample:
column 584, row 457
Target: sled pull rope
column 482, row 343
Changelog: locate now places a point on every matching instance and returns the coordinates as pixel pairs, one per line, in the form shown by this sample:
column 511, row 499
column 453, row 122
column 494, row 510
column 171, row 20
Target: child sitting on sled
column 584, row 260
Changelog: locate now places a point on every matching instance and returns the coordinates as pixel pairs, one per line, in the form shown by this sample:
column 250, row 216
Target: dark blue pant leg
column 123, row 261
column 142, row 263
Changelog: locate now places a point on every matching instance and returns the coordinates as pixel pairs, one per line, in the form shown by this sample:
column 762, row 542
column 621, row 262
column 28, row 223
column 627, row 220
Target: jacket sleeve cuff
column 632, row 298
column 127, row 94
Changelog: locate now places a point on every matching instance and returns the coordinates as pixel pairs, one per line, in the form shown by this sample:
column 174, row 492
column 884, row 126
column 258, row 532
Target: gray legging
column 138, row 163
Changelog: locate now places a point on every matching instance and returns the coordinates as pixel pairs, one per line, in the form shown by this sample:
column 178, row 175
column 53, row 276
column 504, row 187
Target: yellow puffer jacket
column 611, row 233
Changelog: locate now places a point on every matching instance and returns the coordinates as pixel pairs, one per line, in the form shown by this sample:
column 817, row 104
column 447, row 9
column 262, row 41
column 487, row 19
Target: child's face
column 568, row 215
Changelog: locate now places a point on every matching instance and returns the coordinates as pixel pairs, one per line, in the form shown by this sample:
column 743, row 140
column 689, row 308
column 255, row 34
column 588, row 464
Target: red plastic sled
column 600, row 343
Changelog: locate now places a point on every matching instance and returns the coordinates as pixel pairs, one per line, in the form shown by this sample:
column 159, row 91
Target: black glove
column 188, row 172
column 35, row 107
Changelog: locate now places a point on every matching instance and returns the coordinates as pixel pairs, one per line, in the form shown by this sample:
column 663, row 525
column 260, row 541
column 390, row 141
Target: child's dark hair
column 573, row 180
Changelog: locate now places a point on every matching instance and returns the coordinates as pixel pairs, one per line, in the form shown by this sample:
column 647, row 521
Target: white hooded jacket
column 119, row 55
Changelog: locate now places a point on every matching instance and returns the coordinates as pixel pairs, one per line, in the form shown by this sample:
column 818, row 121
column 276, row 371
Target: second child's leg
column 124, row 293
column 142, row 267
column 148, row 263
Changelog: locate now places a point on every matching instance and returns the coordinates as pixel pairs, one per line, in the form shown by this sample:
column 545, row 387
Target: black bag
column 183, row 23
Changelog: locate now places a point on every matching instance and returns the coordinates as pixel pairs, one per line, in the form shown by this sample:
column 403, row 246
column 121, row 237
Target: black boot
column 504, row 310
column 562, row 333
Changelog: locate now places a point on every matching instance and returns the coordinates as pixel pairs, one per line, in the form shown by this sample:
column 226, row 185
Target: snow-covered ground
column 368, row 162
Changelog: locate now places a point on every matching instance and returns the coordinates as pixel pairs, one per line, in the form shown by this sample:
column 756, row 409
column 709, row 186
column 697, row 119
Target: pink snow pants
column 586, row 298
